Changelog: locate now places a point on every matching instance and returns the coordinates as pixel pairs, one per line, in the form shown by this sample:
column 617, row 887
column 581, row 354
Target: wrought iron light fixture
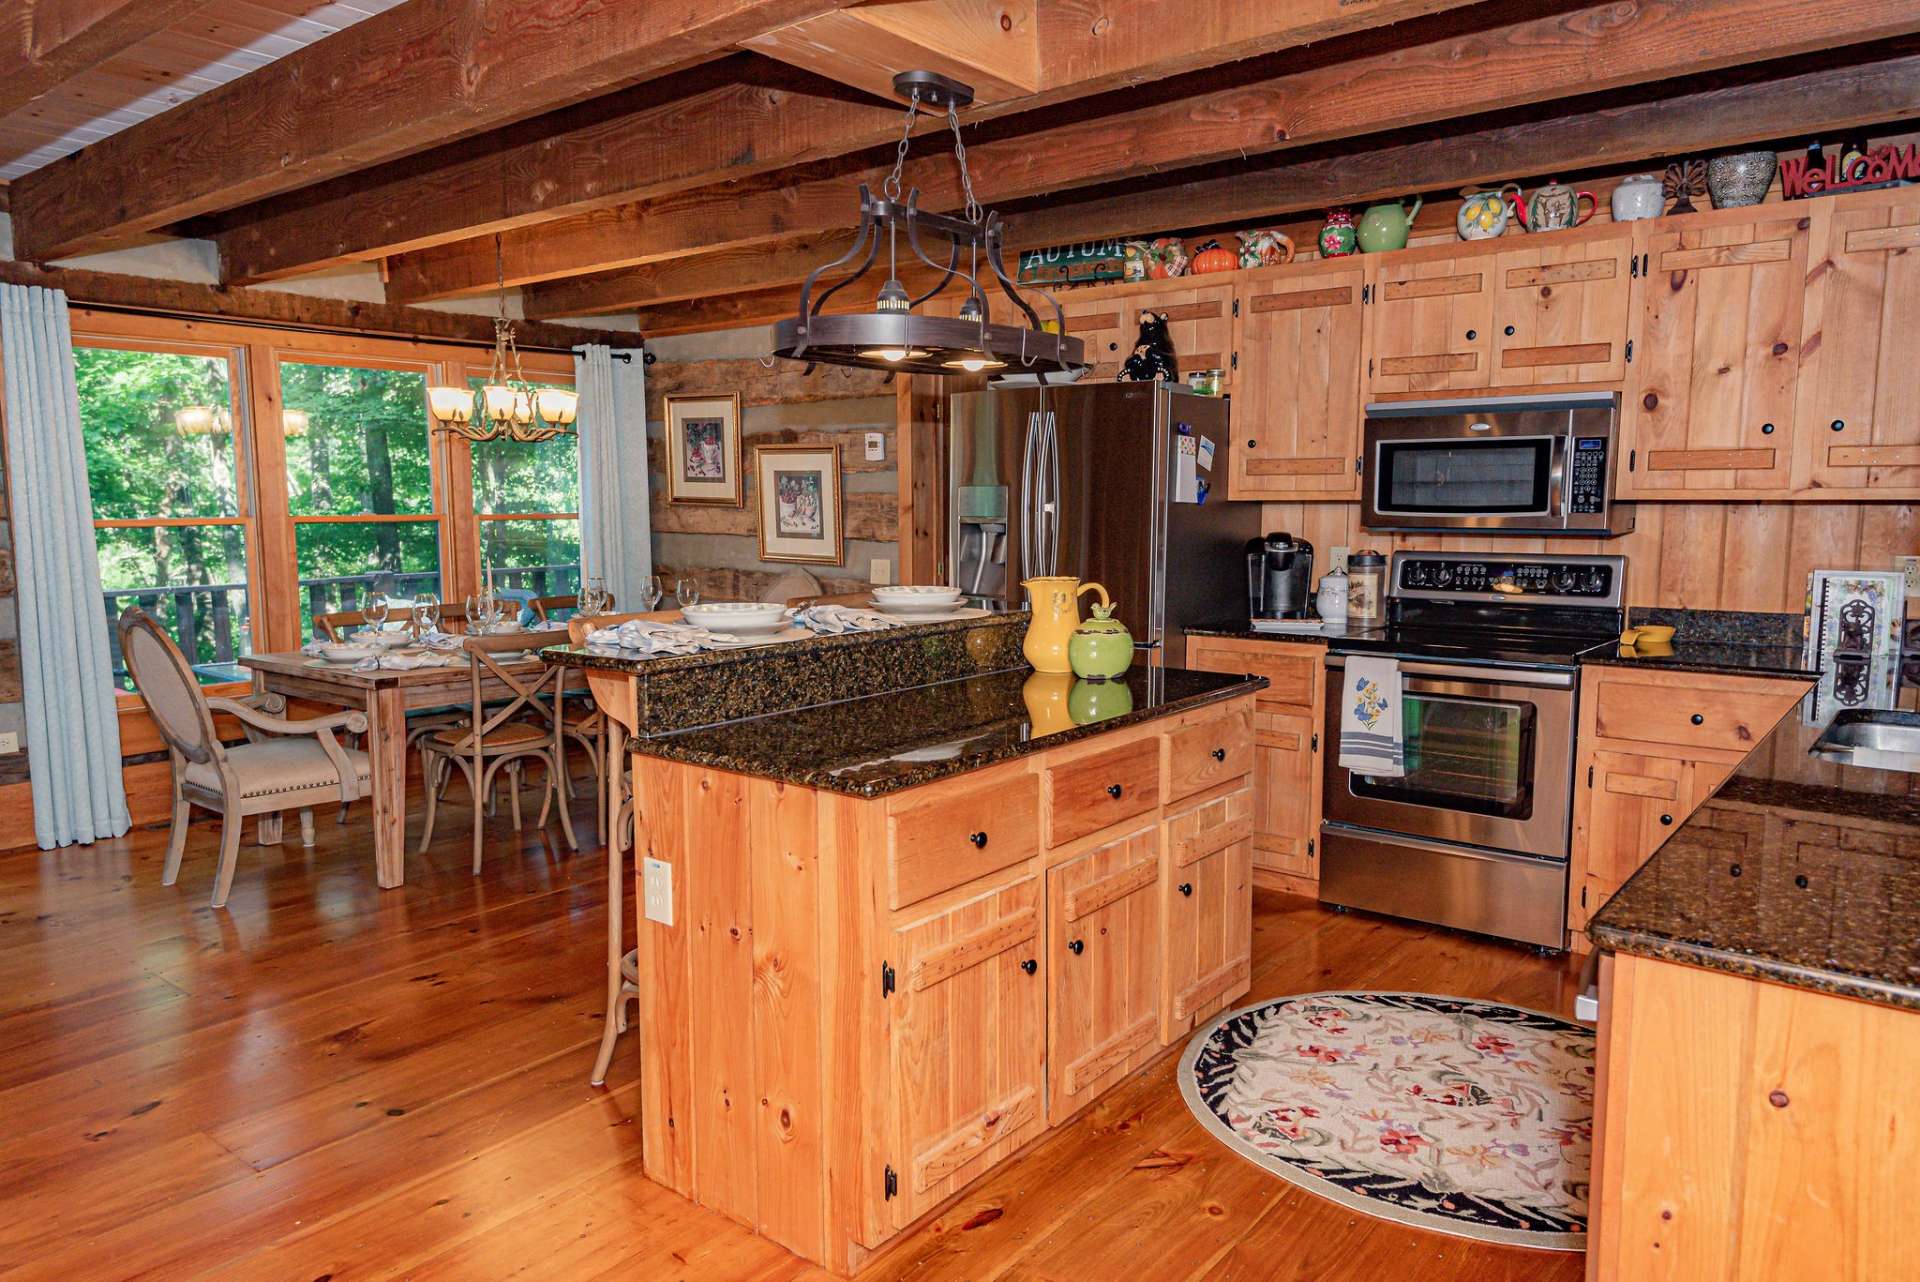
column 893, row 336
column 506, row 404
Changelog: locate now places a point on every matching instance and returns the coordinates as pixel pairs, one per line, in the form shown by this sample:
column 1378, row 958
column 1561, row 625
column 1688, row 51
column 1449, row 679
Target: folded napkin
column 639, row 636
column 403, row 662
column 1370, row 733
column 830, row 620
column 441, row 641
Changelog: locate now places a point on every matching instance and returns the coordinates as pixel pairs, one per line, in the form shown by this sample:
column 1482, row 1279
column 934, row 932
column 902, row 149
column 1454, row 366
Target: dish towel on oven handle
column 1370, row 734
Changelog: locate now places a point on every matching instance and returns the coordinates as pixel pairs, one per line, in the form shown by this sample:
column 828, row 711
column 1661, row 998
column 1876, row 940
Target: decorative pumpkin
column 1166, row 258
column 1211, row 257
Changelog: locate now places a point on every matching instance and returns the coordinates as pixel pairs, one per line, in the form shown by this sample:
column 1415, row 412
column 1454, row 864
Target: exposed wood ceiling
column 692, row 160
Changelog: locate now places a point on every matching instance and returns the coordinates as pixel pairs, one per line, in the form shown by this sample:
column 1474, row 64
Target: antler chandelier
column 893, row 336
column 506, row 404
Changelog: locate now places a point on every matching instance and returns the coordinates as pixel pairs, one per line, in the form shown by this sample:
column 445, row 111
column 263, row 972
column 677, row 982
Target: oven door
column 1489, row 759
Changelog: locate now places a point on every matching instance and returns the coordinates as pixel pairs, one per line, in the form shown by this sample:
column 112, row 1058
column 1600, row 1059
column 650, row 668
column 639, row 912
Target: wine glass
column 594, row 599
column 375, row 610
column 654, row 591
column 426, row 614
column 686, row 592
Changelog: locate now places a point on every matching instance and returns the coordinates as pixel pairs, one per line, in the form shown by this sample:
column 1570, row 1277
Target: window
column 163, row 440
column 526, row 500
column 360, row 483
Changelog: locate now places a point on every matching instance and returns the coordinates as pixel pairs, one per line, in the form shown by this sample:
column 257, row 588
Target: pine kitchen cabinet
column 879, row 975
column 1297, row 407
column 1199, row 318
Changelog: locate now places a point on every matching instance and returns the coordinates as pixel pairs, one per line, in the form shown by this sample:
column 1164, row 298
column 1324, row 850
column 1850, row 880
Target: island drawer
column 1209, row 754
column 1729, row 713
column 955, row 836
column 1086, row 794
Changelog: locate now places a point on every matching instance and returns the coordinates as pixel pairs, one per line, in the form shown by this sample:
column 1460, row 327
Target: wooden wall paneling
column 664, row 831
column 919, row 443
column 719, row 912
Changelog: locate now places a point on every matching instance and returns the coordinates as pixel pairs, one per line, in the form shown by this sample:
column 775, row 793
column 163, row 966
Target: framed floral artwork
column 798, row 492
column 703, row 450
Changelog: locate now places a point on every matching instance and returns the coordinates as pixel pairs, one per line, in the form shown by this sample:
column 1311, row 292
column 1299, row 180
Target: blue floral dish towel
column 1370, row 738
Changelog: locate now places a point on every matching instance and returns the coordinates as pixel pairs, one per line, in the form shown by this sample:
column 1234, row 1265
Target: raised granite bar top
column 1814, row 887
column 880, row 744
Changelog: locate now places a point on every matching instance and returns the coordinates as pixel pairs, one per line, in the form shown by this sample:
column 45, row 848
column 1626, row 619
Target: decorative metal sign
column 1820, row 173
column 1071, row 264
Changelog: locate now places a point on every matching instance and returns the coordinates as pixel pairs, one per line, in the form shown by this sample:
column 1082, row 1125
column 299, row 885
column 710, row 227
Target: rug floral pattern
column 1472, row 1118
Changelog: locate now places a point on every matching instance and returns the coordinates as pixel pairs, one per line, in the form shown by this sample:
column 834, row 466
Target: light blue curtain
column 73, row 729
column 616, row 534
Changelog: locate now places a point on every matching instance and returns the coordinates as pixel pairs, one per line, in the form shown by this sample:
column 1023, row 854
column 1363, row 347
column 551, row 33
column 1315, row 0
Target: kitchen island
column 886, row 942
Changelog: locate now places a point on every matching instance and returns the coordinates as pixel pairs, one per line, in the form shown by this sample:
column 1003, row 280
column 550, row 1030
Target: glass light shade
column 295, row 422
column 202, row 420
column 974, row 363
column 556, row 405
column 893, row 353
column 501, row 402
column 450, row 404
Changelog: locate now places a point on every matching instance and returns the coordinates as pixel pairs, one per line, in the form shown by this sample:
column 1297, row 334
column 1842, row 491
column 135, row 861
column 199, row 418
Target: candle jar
column 1366, row 587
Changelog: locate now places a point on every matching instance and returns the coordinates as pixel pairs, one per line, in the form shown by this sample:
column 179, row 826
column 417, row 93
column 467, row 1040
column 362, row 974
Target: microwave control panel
column 1593, row 579
column 1587, row 494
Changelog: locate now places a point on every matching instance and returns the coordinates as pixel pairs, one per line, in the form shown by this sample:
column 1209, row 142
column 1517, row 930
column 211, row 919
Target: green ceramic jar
column 1101, row 647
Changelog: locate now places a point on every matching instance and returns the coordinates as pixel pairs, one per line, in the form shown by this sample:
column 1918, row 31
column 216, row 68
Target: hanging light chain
column 960, row 154
column 891, row 187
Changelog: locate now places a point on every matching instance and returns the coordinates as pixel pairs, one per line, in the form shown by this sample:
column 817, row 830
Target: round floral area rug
column 1464, row 1117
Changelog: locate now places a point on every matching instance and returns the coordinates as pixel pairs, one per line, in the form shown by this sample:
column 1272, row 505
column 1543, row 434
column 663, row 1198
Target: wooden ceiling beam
column 992, row 45
column 412, row 77
column 45, row 43
column 397, row 211
column 1603, row 48
column 1607, row 136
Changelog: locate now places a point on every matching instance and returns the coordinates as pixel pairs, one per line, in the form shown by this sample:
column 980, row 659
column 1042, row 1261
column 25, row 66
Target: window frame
column 538, row 372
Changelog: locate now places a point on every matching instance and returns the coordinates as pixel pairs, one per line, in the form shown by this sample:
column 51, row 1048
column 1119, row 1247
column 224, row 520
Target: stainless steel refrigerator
column 1123, row 484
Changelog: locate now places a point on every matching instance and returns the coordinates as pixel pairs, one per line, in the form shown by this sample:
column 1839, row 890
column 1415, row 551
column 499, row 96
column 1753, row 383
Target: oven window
column 1472, row 755
column 1500, row 476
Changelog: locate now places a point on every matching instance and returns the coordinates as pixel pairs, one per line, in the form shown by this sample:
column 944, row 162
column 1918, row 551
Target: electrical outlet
column 1336, row 560
column 876, row 446
column 656, row 878
column 9, row 742
column 1909, row 566
column 880, row 571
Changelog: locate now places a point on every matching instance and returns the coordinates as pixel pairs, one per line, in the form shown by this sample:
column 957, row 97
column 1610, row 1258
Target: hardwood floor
column 333, row 1081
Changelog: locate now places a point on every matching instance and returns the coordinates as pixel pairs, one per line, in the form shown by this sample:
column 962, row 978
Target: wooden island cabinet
column 859, row 1005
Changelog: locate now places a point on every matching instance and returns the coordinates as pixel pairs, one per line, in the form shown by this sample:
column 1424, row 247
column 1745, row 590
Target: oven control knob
column 1444, row 576
column 1565, row 581
column 1596, row 581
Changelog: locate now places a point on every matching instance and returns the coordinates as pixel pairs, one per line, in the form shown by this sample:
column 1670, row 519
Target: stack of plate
column 918, row 601
column 737, row 618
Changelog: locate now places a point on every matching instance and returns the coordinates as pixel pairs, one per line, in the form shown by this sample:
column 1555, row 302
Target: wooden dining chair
column 338, row 625
column 284, row 765
column 545, row 607
column 525, row 726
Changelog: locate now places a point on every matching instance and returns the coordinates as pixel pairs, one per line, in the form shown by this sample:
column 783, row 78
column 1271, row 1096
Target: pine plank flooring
column 330, row 1081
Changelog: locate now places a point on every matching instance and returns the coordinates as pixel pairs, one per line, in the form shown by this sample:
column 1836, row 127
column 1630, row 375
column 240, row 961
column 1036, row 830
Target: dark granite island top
column 1813, row 887
column 882, row 743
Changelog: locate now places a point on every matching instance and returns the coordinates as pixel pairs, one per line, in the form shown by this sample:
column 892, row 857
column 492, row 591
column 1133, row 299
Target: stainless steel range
column 1476, row 833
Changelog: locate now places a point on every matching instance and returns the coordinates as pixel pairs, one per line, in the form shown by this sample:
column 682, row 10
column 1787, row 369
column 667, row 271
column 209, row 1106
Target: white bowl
column 916, row 592
column 348, row 653
column 381, row 640
column 920, row 608
column 739, row 617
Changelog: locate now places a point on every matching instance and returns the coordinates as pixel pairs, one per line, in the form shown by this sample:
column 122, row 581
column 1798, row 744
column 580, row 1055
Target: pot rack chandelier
column 893, row 336
column 506, row 405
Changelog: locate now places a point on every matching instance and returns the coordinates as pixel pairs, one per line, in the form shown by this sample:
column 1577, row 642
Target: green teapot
column 1101, row 647
column 1386, row 226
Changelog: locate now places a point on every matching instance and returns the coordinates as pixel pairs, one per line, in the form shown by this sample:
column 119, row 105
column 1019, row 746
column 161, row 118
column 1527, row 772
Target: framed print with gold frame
column 797, row 491
column 703, row 450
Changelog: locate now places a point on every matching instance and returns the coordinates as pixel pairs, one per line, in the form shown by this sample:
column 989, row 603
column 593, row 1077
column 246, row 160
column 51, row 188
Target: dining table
column 387, row 695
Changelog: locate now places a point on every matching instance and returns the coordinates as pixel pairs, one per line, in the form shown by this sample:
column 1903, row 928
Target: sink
column 1874, row 738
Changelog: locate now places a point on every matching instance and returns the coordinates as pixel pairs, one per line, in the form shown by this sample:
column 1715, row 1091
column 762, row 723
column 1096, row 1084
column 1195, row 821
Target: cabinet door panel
column 1209, row 897
column 1199, row 320
column 1433, row 324
column 1717, row 360
column 1866, row 311
column 1566, row 307
column 1630, row 808
column 968, row 1027
column 1103, row 951
column 1298, row 387
column 1286, row 784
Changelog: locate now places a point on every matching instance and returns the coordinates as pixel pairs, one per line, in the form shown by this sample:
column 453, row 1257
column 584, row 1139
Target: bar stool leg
column 616, row 899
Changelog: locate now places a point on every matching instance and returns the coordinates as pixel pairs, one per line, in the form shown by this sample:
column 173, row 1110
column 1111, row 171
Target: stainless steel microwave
column 1534, row 465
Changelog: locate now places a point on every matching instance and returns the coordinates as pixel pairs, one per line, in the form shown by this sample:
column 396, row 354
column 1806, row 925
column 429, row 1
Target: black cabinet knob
column 1509, row 331
column 1030, row 965
column 1697, row 719
column 1219, row 754
column 1114, row 790
column 1801, row 881
column 1838, row 425
column 979, row 839
column 1076, row 947
column 1666, row 821
column 1472, row 334
column 1186, row 888
column 1766, row 429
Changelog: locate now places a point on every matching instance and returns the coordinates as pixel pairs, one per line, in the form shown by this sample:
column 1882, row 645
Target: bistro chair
column 338, row 625
column 284, row 765
column 587, row 731
column 526, row 726
column 545, row 607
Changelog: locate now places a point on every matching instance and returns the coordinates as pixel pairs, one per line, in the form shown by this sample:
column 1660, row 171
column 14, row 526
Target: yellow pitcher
column 1055, row 601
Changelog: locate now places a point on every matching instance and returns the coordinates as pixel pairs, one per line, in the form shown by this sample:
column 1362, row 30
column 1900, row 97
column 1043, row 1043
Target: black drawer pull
column 1030, row 965
column 1698, row 720
column 1801, row 881
column 1186, row 888
column 1838, row 425
column 1472, row 334
column 1666, row 821
column 1509, row 331
column 1219, row 754
column 979, row 839
column 1766, row 429
column 1077, row 947
column 1114, row 790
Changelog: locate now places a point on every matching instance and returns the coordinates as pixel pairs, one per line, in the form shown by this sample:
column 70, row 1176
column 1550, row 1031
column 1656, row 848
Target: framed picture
column 703, row 450
column 798, row 488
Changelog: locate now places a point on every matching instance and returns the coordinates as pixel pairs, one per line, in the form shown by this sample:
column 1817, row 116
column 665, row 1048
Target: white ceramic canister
column 1638, row 196
column 1331, row 599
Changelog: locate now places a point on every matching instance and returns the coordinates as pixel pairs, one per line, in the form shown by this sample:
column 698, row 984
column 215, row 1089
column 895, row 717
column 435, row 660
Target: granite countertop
column 1242, row 629
column 1814, row 887
column 883, row 743
column 579, row 656
column 1720, row 657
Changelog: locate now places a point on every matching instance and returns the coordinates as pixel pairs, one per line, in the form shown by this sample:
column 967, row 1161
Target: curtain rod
column 627, row 356
column 309, row 327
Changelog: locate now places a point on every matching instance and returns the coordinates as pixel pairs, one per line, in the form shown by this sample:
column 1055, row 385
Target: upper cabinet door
column 1860, row 421
column 1711, row 406
column 1432, row 323
column 1298, row 390
column 1199, row 320
column 1560, row 310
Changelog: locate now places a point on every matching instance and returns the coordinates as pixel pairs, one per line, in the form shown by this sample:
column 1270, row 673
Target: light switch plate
column 656, row 878
column 1909, row 566
column 876, row 446
column 880, row 571
column 9, row 742
column 1336, row 560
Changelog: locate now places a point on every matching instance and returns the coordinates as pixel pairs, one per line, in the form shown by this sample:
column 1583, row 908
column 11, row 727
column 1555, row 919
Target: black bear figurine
column 1152, row 360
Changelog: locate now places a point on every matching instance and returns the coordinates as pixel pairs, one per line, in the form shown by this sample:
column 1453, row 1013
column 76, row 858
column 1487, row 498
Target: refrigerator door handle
column 1029, row 508
column 1053, row 494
